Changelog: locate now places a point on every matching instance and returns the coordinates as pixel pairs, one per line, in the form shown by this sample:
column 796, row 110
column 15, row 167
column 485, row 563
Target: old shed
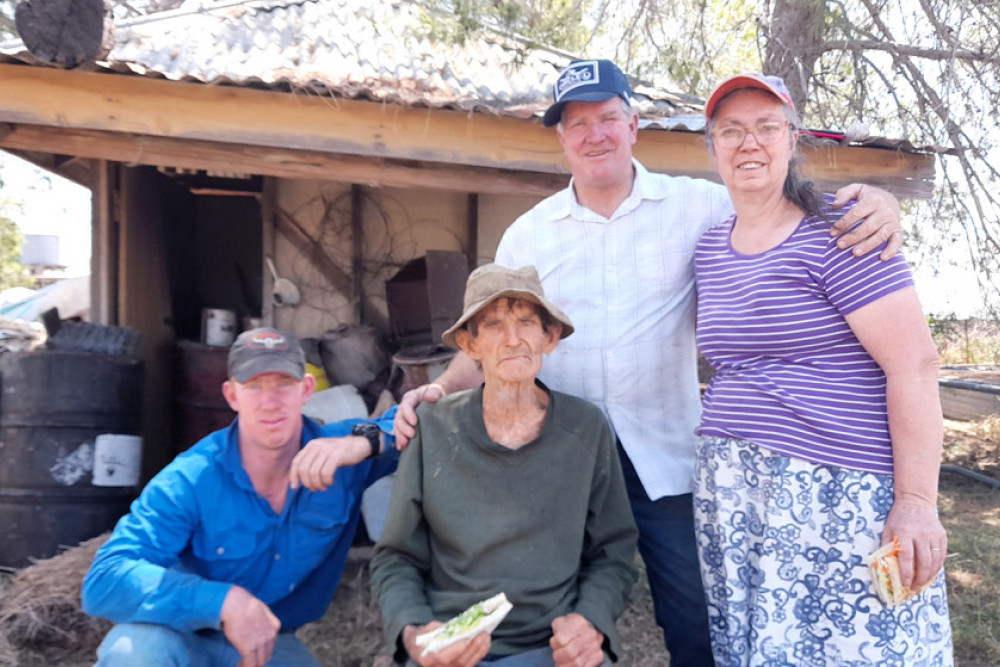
column 336, row 138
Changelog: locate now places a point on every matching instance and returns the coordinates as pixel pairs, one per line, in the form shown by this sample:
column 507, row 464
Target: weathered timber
column 66, row 33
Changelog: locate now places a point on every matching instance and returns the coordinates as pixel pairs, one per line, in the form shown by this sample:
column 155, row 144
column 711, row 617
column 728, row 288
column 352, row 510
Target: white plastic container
column 218, row 327
column 117, row 460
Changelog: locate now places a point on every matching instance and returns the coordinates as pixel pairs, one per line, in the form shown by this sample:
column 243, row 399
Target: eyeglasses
column 733, row 136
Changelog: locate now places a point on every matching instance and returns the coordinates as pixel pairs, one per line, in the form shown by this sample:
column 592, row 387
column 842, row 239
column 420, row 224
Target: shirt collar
column 643, row 187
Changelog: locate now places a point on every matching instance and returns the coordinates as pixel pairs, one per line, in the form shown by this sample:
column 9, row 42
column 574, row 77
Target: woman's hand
column 923, row 543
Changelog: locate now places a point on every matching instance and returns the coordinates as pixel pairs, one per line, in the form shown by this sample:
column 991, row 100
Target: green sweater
column 548, row 524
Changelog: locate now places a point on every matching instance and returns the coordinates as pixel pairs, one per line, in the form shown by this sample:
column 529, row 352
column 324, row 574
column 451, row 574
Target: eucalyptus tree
column 927, row 71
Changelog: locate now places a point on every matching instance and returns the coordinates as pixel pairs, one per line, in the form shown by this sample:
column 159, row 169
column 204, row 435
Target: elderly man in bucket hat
column 508, row 488
column 615, row 250
column 243, row 537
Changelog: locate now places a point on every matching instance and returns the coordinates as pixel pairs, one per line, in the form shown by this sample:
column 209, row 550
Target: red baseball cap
column 771, row 84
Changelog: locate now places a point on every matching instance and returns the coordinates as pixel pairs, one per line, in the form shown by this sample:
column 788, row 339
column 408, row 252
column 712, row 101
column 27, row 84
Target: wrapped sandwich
column 884, row 568
column 483, row 616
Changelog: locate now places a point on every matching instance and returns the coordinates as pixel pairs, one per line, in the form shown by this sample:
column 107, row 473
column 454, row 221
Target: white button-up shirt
column 627, row 283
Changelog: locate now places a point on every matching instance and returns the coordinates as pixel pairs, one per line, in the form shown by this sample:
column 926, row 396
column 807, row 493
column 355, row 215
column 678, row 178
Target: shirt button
column 220, row 551
column 277, row 556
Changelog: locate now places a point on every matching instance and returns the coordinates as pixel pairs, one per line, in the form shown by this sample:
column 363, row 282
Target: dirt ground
column 349, row 635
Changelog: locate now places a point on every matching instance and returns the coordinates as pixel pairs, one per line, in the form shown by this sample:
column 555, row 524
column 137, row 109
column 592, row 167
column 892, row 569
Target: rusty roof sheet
column 359, row 49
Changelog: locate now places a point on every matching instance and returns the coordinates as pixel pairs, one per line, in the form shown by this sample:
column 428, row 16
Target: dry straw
column 40, row 607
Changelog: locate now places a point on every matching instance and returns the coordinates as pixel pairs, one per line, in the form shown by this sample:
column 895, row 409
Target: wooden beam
column 231, row 114
column 677, row 153
column 282, row 163
column 71, row 168
column 907, row 175
column 294, row 135
column 313, row 250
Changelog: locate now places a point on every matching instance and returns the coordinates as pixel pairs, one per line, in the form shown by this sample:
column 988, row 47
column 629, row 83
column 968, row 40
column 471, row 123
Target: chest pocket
column 225, row 554
column 226, row 545
column 320, row 522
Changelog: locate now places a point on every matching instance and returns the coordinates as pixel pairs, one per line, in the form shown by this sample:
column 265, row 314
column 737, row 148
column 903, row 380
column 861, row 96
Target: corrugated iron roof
column 379, row 50
column 358, row 49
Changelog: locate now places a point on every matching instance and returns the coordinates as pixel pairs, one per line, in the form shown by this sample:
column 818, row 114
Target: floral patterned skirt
column 782, row 544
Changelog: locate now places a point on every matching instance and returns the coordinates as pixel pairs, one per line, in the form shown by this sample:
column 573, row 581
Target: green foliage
column 12, row 272
column 554, row 23
column 966, row 341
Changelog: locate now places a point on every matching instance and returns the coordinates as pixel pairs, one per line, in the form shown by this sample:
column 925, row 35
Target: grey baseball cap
column 266, row 350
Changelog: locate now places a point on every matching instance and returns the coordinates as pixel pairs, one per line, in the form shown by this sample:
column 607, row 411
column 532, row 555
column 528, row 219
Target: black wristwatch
column 373, row 433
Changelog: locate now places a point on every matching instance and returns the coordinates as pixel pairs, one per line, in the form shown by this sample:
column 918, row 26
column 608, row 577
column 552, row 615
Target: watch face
column 370, row 431
column 365, row 429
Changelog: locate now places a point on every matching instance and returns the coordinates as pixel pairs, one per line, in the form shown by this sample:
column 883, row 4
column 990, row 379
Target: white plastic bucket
column 218, row 327
column 117, row 460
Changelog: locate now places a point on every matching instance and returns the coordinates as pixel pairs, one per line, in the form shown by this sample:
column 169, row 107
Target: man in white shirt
column 615, row 251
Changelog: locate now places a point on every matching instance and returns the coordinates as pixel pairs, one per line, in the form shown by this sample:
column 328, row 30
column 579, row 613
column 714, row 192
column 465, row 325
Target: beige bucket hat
column 492, row 281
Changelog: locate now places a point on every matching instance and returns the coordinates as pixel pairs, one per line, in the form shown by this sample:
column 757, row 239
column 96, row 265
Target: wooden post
column 357, row 253
column 104, row 244
column 473, row 232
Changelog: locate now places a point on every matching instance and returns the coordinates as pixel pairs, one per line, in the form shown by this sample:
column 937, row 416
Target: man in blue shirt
column 242, row 538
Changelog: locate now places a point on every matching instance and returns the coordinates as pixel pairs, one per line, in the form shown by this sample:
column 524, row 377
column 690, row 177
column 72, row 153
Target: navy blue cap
column 586, row 81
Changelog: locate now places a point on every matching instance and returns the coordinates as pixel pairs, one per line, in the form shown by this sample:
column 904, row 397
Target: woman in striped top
column 821, row 434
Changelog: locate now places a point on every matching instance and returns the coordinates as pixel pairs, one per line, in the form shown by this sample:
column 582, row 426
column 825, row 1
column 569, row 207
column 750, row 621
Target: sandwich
column 884, row 568
column 483, row 616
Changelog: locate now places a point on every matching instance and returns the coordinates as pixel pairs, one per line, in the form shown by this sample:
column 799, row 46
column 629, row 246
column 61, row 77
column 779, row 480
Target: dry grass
column 40, row 611
column 42, row 625
column 350, row 634
column 971, row 512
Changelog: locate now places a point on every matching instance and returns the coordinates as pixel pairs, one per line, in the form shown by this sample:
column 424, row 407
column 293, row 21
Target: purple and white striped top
column 792, row 377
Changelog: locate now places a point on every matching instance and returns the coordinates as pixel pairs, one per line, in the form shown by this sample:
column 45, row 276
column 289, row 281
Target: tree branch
column 914, row 51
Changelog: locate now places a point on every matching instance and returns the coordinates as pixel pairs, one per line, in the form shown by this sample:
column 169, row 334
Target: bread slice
column 883, row 565
column 483, row 616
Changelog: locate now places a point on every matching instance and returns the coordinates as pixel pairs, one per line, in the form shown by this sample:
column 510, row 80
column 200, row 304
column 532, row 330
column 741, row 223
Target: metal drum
column 53, row 407
column 199, row 406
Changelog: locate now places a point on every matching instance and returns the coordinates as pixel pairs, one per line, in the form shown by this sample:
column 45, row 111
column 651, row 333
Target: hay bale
column 40, row 607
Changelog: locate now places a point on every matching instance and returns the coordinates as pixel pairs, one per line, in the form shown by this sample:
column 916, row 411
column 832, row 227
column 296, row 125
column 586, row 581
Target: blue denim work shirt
column 198, row 527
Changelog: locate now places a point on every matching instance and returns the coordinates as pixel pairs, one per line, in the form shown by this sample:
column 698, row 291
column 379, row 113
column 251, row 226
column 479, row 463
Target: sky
column 50, row 204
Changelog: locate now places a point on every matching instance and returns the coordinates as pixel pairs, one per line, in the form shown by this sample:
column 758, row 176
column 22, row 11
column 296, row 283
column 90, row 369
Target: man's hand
column 464, row 653
column 880, row 211
column 575, row 642
column 315, row 464
column 250, row 627
column 405, row 422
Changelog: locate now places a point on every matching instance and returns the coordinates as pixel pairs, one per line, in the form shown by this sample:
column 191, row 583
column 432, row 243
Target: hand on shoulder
column 405, row 422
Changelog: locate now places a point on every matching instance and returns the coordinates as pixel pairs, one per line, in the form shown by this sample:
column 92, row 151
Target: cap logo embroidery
column 268, row 341
column 584, row 73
